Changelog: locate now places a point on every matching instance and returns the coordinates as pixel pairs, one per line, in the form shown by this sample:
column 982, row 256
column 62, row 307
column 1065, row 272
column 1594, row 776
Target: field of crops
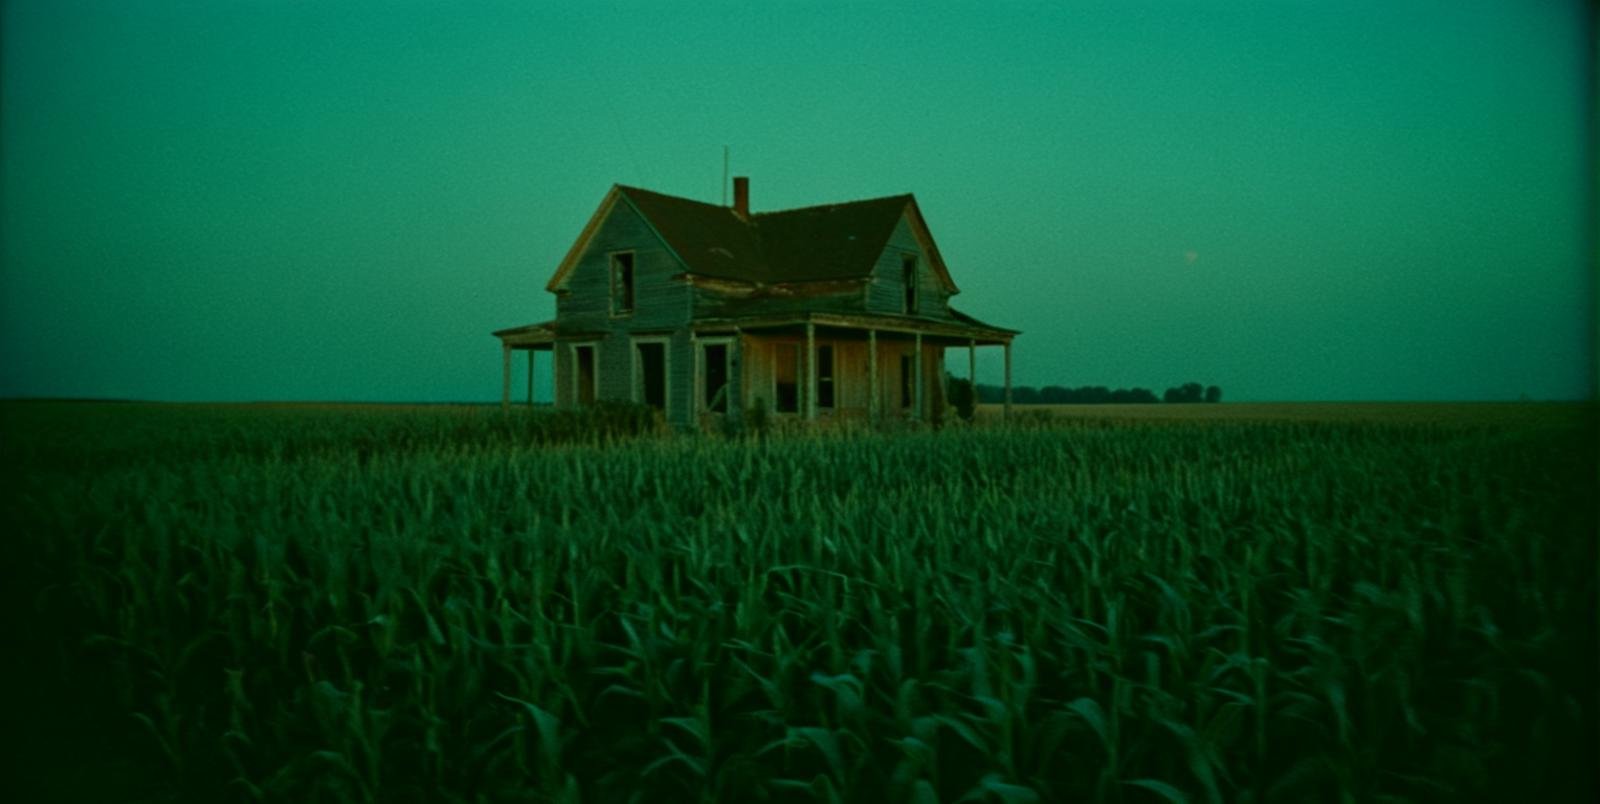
column 303, row 603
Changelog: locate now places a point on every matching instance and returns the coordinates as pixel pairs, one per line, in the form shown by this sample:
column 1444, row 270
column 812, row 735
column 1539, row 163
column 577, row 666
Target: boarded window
column 786, row 377
column 652, row 379
column 824, row 376
column 622, row 283
column 908, row 271
column 714, row 377
column 907, row 381
column 584, row 374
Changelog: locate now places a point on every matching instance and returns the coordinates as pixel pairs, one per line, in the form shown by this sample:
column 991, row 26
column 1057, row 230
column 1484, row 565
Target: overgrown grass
column 303, row 604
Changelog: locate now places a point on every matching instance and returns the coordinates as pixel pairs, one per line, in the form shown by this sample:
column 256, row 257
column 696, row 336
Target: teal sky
column 339, row 201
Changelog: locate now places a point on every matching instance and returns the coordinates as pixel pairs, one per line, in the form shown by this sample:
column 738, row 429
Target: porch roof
column 528, row 336
column 964, row 328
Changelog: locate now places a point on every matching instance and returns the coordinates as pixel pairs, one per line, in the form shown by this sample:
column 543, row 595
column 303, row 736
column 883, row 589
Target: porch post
column 811, row 370
column 972, row 374
column 555, row 375
column 1008, row 380
column 872, row 375
column 917, row 372
column 530, row 377
column 736, row 375
column 505, row 375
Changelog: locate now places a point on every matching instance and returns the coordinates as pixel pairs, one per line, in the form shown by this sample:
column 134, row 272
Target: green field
column 1194, row 603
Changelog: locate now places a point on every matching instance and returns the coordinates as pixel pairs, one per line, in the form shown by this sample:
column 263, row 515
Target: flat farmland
column 1501, row 414
column 1097, row 603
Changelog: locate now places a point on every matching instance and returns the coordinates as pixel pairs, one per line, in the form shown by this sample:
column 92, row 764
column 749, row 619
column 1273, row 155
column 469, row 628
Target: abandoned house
column 839, row 311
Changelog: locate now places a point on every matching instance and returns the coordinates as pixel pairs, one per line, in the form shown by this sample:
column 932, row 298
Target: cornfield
column 236, row 603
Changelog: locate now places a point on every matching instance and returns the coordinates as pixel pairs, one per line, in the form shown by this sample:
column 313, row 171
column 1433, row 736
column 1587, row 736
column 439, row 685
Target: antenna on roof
column 724, row 175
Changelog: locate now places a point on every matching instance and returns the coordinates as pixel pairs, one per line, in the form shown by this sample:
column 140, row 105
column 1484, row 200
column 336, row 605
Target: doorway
column 650, row 373
column 583, row 374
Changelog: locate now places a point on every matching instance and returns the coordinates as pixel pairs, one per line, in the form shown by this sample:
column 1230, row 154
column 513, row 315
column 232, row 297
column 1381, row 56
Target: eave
column 976, row 332
column 745, row 289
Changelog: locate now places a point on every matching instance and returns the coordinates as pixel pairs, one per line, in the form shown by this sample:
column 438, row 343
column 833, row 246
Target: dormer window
column 622, row 283
column 908, row 270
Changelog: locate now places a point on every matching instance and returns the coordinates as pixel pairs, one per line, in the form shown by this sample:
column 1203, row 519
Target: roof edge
column 875, row 200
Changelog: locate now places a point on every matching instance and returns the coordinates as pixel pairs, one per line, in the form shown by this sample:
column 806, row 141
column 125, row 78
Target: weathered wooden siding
column 680, row 370
column 661, row 307
column 886, row 290
column 660, row 303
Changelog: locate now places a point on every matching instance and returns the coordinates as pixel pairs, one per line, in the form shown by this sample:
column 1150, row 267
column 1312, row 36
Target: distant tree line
column 1091, row 394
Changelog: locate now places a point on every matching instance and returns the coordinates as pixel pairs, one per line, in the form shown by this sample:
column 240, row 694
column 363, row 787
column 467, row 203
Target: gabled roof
column 831, row 242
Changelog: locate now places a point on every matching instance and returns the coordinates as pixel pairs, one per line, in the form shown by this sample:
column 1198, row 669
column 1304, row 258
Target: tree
column 1056, row 395
column 1213, row 393
column 1143, row 396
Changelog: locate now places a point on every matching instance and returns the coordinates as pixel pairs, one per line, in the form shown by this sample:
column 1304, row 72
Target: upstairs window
column 622, row 283
column 908, row 271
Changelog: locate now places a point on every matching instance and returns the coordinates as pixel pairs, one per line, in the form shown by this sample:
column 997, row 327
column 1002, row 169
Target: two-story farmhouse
column 827, row 312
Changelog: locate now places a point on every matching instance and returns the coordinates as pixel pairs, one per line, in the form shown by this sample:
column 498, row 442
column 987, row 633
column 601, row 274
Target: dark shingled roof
column 829, row 242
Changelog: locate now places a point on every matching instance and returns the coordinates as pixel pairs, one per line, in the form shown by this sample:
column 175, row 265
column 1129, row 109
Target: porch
column 819, row 366
column 531, row 338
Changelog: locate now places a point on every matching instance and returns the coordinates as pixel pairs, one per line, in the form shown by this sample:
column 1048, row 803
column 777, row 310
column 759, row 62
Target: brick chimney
column 741, row 196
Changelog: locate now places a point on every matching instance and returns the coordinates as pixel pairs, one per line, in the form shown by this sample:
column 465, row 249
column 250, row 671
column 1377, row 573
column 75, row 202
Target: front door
column 584, row 374
column 714, row 377
column 650, row 380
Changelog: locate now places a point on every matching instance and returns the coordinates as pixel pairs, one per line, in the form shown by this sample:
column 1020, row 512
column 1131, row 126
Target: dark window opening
column 714, row 361
column 786, row 377
column 908, row 270
column 906, row 382
column 824, row 376
column 621, row 283
column 653, row 375
column 584, row 382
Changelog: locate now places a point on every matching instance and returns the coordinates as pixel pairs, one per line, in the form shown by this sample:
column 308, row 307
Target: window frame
column 727, row 342
column 630, row 288
column 910, row 278
column 637, row 374
column 827, row 380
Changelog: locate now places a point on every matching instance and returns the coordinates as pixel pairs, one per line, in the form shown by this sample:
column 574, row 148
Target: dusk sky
column 340, row 201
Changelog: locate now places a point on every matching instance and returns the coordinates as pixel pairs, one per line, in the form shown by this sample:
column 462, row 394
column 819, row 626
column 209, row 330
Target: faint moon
column 1190, row 256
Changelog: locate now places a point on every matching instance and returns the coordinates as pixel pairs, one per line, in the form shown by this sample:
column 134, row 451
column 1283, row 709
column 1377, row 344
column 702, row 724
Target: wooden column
column 736, row 375
column 555, row 376
column 505, row 375
column 872, row 375
column 1008, row 380
column 916, row 371
column 811, row 371
column 530, row 377
column 972, row 367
